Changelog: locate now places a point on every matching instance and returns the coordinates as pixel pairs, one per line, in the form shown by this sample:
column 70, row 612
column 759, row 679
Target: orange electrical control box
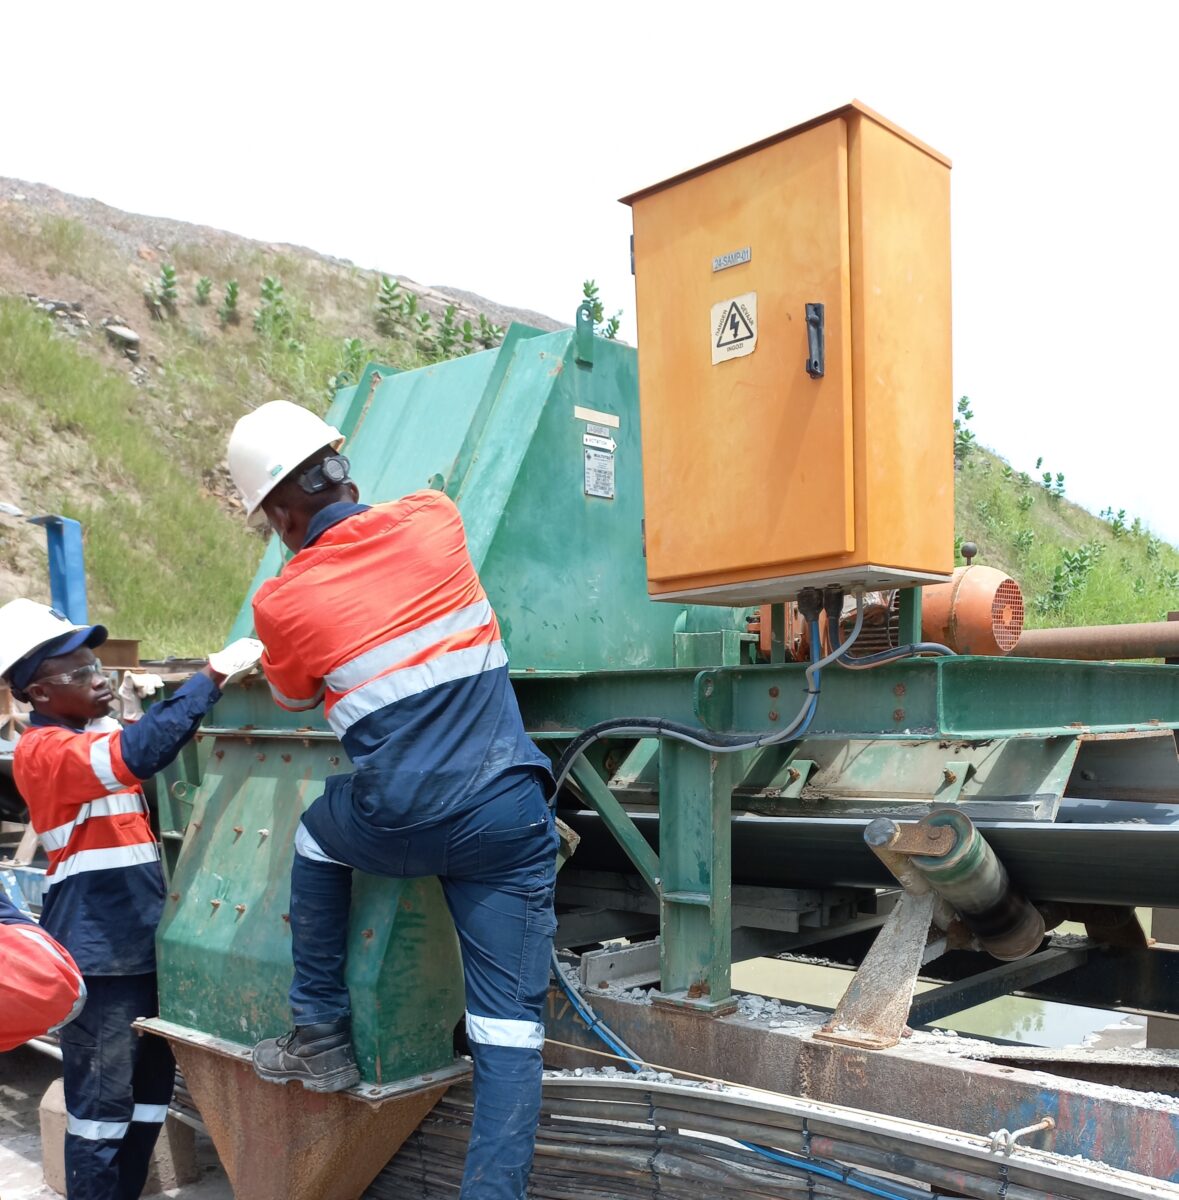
column 794, row 366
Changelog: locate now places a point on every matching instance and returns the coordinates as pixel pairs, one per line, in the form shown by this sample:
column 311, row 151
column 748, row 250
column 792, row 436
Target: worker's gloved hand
column 133, row 689
column 237, row 659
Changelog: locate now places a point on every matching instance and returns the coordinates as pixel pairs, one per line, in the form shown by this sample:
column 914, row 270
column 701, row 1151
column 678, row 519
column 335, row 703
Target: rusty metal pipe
column 1093, row 643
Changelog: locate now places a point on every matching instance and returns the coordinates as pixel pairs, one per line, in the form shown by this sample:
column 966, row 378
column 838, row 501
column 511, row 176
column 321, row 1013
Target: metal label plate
column 599, row 473
column 734, row 258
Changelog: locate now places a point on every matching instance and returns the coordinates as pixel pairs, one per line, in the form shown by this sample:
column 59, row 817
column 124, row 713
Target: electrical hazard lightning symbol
column 734, row 327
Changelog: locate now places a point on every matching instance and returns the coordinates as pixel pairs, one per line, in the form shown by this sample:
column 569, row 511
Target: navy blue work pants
column 118, row 1084
column 497, row 867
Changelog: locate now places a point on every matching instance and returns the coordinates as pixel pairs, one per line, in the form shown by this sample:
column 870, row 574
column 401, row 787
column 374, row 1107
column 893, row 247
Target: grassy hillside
column 134, row 447
column 1075, row 568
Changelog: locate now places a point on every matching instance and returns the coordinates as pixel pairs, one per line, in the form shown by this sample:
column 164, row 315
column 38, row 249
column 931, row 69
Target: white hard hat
column 25, row 626
column 268, row 444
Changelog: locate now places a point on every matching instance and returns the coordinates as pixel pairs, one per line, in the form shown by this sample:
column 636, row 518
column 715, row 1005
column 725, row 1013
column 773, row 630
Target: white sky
column 484, row 146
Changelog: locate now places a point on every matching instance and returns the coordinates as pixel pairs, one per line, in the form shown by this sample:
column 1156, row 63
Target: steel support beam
column 695, row 860
column 998, row 981
column 958, row 698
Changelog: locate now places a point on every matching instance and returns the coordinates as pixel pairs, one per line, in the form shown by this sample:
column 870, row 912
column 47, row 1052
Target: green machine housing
column 538, row 442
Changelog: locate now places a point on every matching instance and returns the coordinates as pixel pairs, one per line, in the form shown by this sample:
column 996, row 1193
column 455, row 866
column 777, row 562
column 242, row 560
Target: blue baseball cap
column 21, row 673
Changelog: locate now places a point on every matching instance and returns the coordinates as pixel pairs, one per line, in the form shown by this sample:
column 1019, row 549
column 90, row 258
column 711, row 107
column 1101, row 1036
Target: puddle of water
column 1009, row 1018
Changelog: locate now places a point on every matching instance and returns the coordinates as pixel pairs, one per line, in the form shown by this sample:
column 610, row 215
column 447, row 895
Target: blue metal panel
column 67, row 566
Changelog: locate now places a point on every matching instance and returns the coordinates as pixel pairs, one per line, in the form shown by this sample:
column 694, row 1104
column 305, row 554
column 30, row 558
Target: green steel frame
column 1035, row 711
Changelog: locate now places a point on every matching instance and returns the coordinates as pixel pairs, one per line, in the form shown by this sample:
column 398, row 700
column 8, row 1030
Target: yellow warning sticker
column 733, row 330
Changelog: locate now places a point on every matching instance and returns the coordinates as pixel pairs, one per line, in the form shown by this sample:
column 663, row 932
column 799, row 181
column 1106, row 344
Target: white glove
column 237, row 659
column 144, row 684
column 133, row 689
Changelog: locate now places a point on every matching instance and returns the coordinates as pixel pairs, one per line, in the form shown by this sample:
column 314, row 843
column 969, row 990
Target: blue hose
column 859, row 1181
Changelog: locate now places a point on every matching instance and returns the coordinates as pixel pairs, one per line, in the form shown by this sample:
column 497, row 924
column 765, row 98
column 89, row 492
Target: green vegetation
column 146, row 522
column 1075, row 568
column 169, row 288
column 227, row 312
column 389, row 311
column 204, row 286
column 603, row 327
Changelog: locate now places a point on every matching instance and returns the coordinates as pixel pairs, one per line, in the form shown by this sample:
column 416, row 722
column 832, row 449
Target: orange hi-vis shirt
column 381, row 616
column 104, row 889
column 104, row 886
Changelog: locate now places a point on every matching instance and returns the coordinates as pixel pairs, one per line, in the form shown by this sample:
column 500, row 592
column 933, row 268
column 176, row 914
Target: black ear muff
column 330, row 473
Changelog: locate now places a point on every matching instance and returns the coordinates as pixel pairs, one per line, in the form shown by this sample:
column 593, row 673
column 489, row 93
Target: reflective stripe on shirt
column 100, row 761
column 103, row 860
column 380, row 658
column 104, row 806
column 411, row 681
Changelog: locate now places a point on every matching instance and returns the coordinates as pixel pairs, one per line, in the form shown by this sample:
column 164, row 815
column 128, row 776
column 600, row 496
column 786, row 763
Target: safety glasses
column 78, row 675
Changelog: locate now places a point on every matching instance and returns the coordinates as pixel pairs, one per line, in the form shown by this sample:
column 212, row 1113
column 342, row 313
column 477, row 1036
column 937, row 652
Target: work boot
column 320, row 1057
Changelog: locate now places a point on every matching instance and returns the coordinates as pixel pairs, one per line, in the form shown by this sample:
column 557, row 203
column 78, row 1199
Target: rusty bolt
column 287, row 917
column 237, row 832
column 239, row 909
column 709, row 687
column 174, row 895
column 215, row 903
column 218, row 753
column 775, row 693
column 602, row 983
column 249, row 741
column 334, row 760
column 773, row 714
column 793, row 774
column 899, row 690
column 263, row 834
column 196, row 825
column 367, row 934
column 286, row 758
column 260, row 757
column 898, row 714
column 949, row 776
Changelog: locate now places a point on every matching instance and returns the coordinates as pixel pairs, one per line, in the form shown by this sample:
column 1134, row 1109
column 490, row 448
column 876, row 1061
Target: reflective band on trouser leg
column 151, row 1088
column 95, row 1131
column 499, row 1031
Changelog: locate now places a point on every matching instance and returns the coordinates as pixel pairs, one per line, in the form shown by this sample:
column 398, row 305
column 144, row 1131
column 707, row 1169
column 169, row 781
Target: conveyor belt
column 1131, row 860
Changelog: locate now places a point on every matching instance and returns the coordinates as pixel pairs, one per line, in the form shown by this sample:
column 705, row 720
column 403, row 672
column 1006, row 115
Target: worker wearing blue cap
column 81, row 774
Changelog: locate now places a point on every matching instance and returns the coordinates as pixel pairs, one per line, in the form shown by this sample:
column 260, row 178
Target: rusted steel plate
column 286, row 1143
